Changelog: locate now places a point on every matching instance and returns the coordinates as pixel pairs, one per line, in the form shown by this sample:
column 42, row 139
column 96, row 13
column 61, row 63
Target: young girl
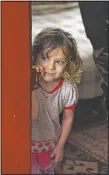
column 58, row 65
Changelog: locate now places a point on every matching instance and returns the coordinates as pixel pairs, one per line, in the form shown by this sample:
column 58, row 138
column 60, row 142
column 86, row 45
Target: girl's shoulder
column 69, row 93
column 67, row 86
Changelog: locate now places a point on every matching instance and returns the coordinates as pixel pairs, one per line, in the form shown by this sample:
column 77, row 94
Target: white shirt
column 46, row 129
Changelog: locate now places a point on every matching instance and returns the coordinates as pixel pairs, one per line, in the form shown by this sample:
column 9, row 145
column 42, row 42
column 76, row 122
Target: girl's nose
column 51, row 66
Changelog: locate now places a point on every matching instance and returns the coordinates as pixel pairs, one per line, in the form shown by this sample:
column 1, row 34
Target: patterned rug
column 86, row 152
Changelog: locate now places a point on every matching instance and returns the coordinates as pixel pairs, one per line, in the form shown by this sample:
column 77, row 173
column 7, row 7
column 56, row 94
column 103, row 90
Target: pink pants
column 40, row 161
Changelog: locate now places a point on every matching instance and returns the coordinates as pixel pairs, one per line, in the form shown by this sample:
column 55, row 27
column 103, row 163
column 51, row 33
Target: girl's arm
column 57, row 153
column 34, row 107
column 66, row 126
column 68, row 117
column 36, row 69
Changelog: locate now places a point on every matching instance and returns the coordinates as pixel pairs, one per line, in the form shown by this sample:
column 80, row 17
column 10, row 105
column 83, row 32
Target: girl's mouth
column 50, row 71
column 51, row 74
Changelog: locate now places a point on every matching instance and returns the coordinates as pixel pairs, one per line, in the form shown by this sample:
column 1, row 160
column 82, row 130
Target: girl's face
column 55, row 64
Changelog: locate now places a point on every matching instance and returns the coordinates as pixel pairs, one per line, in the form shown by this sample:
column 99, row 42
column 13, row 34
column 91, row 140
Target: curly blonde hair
column 49, row 39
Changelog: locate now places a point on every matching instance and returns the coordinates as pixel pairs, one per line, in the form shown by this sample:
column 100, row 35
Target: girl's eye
column 45, row 58
column 60, row 62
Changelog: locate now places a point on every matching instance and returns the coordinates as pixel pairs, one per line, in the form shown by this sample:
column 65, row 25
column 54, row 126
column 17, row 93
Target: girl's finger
column 41, row 69
column 52, row 154
column 56, row 159
column 37, row 69
column 60, row 159
column 42, row 73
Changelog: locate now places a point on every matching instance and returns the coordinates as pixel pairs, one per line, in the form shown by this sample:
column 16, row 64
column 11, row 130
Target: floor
column 87, row 149
column 76, row 161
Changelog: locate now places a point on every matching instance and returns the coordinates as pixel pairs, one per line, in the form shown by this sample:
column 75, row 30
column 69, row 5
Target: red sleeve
column 71, row 107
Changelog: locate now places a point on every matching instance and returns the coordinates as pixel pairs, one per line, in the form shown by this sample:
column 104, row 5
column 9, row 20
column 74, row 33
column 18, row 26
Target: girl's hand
column 57, row 153
column 37, row 72
column 40, row 69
